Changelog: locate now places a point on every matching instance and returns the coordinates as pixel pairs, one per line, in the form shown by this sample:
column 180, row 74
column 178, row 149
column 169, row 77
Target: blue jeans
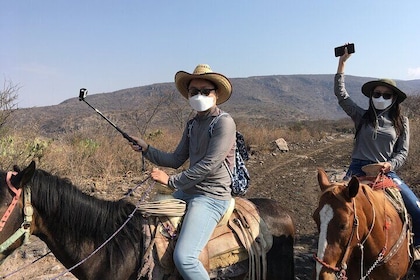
column 411, row 201
column 202, row 216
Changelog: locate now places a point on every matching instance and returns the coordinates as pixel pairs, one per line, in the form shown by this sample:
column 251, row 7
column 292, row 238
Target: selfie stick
column 83, row 94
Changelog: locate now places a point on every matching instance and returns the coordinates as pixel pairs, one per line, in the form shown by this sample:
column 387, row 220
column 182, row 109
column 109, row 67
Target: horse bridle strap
column 15, row 199
column 341, row 270
column 27, row 211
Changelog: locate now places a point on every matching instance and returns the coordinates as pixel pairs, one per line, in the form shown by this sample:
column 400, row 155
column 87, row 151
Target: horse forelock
column 73, row 215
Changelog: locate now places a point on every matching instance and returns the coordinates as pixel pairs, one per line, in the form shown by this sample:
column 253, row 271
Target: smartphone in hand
column 339, row 51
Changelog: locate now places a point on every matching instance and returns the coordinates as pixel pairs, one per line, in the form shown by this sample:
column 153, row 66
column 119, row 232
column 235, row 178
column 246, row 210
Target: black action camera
column 339, row 51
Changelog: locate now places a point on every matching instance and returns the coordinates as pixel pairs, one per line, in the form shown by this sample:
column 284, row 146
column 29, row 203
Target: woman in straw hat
column 205, row 185
column 382, row 135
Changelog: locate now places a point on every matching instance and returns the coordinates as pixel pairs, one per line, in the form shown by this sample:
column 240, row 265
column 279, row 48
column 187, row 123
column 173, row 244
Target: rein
column 383, row 182
column 340, row 271
column 28, row 212
column 131, row 215
column 24, row 229
column 380, row 182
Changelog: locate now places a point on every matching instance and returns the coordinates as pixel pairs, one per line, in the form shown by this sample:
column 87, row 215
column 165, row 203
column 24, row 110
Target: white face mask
column 380, row 103
column 201, row 103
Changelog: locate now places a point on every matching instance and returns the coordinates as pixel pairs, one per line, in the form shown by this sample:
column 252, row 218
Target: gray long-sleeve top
column 206, row 174
column 374, row 144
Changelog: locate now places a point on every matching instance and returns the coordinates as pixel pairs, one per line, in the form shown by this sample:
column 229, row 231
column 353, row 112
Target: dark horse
column 361, row 235
column 74, row 224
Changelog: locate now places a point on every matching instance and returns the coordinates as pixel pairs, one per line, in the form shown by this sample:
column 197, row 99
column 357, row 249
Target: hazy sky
column 51, row 49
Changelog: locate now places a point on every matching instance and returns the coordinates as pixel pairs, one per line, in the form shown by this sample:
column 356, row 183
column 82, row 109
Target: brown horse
column 361, row 235
column 74, row 224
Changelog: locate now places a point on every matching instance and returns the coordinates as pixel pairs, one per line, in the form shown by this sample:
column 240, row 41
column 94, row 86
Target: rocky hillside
column 285, row 98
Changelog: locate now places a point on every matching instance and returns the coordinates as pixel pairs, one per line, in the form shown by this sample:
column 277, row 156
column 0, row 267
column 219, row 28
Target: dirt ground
column 289, row 177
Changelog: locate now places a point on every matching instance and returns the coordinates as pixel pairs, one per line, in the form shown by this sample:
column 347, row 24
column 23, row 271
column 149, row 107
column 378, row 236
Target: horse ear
column 353, row 187
column 23, row 177
column 324, row 182
column 16, row 168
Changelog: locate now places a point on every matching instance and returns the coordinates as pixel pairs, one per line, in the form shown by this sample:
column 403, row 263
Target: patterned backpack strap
column 240, row 144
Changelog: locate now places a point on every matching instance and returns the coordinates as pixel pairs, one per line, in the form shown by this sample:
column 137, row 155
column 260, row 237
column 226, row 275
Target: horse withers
column 361, row 234
column 74, row 224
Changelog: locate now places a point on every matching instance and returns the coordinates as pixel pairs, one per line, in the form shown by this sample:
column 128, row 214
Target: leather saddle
column 240, row 235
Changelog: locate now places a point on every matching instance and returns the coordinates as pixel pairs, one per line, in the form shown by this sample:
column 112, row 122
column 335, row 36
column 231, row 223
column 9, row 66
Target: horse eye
column 343, row 227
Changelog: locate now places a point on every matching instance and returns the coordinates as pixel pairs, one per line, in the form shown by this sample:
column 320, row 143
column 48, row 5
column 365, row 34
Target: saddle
column 240, row 235
column 378, row 181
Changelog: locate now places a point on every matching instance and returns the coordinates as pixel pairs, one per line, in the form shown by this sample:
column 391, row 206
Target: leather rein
column 24, row 229
column 340, row 271
column 378, row 183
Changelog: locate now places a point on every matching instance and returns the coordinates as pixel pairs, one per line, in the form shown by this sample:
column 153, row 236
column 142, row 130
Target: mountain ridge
column 257, row 98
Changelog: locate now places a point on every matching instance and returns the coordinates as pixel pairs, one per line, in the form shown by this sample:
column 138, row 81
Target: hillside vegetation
column 71, row 140
column 256, row 100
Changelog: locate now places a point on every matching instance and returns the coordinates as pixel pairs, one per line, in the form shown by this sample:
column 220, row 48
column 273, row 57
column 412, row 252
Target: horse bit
column 24, row 229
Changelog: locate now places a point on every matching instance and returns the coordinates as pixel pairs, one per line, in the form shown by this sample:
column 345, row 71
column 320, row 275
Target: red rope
column 15, row 199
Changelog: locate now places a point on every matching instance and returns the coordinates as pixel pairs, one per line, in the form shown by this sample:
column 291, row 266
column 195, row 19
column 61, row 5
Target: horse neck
column 56, row 220
column 73, row 224
column 374, row 214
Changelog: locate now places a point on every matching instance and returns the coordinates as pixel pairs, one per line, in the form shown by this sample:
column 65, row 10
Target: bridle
column 340, row 271
column 24, row 229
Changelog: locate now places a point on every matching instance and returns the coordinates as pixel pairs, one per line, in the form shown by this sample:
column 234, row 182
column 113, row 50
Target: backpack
column 240, row 175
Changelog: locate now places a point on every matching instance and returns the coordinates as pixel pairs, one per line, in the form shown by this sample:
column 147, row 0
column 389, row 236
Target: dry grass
column 101, row 157
column 79, row 155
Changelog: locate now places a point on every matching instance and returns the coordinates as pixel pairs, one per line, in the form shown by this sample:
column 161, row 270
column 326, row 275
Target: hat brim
column 372, row 169
column 368, row 88
column 224, row 87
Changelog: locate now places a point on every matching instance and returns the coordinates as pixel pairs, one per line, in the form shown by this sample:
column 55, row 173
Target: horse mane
column 76, row 218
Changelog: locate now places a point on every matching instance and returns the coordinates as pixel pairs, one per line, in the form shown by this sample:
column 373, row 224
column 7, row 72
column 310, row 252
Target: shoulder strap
column 214, row 121
column 190, row 124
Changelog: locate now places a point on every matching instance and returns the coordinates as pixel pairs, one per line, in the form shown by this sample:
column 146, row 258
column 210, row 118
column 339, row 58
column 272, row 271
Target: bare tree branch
column 8, row 97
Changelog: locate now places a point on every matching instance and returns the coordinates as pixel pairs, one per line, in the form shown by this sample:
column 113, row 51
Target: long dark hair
column 369, row 118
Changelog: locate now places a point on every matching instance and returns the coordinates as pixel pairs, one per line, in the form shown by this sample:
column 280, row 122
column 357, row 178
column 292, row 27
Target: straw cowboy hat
column 372, row 169
column 368, row 88
column 203, row 71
